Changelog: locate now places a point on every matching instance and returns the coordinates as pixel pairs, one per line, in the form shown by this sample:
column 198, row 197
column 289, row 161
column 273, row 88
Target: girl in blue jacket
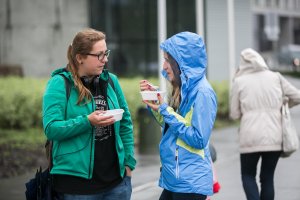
column 187, row 119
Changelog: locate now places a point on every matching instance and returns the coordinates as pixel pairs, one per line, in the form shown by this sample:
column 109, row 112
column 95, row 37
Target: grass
column 21, row 151
column 22, row 139
column 224, row 123
column 293, row 74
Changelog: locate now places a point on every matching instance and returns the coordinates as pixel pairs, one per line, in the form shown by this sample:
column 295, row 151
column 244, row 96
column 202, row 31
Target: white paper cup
column 151, row 95
column 116, row 113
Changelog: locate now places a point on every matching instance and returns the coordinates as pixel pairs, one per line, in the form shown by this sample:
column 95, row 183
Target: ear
column 79, row 58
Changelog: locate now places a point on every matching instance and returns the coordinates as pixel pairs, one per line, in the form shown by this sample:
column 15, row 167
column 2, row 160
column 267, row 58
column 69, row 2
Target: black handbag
column 40, row 187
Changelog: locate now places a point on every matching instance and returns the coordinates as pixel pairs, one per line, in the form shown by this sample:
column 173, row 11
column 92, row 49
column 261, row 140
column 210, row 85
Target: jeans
column 168, row 195
column 248, row 169
column 120, row 192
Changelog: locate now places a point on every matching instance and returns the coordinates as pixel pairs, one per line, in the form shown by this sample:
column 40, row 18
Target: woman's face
column 93, row 63
column 167, row 67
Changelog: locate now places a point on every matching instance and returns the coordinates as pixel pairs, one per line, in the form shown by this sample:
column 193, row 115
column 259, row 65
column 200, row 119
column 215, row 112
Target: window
column 131, row 31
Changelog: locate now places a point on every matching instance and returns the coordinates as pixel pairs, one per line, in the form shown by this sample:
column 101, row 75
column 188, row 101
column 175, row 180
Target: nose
column 105, row 59
column 165, row 65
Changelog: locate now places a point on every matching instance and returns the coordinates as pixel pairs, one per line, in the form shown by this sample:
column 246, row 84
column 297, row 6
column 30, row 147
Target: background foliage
column 21, row 100
column 21, row 134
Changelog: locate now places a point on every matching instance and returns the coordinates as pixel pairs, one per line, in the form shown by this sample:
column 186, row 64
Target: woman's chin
column 99, row 71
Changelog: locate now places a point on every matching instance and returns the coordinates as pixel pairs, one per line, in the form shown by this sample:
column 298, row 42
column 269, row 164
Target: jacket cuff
column 130, row 162
column 88, row 121
column 162, row 107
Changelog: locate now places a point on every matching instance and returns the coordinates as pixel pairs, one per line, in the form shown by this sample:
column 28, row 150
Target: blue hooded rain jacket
column 184, row 152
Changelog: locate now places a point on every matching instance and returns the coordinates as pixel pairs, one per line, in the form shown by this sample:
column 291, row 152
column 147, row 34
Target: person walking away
column 256, row 99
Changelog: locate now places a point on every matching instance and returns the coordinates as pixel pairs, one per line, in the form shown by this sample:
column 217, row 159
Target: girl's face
column 167, row 67
column 93, row 63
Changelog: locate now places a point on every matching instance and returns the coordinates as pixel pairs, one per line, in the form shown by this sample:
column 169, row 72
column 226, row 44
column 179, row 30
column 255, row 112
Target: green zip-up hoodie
column 66, row 123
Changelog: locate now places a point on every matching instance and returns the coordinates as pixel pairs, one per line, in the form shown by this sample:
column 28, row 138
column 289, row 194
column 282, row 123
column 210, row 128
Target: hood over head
column 188, row 49
column 250, row 62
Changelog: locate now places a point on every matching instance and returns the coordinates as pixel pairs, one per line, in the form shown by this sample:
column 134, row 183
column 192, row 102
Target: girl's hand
column 96, row 118
column 128, row 171
column 154, row 106
column 146, row 86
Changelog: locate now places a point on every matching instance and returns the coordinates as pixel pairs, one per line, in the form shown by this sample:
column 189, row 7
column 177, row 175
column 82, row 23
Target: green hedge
column 21, row 100
column 222, row 91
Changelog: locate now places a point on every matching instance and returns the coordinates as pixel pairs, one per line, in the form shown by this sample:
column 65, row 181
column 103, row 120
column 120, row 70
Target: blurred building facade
column 36, row 34
column 283, row 29
column 276, row 28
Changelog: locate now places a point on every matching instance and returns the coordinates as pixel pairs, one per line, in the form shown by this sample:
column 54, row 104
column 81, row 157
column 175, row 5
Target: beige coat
column 256, row 99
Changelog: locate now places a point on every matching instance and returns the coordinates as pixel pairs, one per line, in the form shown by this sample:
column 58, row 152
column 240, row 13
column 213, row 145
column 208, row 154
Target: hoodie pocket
column 73, row 145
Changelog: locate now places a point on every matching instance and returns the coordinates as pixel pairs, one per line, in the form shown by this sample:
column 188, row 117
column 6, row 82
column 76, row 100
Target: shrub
column 20, row 102
column 131, row 89
column 21, row 151
column 222, row 92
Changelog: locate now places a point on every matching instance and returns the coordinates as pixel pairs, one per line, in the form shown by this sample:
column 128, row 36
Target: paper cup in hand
column 151, row 95
column 116, row 113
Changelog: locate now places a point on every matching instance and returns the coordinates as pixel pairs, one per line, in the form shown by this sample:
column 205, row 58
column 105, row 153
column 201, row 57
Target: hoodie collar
column 104, row 75
column 62, row 71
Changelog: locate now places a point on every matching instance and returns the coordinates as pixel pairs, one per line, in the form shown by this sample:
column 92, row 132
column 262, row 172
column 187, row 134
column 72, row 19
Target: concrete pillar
column 200, row 23
column 231, row 39
column 162, row 35
column 286, row 32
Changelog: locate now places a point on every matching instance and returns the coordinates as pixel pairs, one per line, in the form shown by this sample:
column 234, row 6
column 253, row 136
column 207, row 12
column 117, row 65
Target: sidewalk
column 146, row 175
column 287, row 175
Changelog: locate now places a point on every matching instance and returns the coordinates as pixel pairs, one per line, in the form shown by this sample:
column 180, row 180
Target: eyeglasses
column 100, row 55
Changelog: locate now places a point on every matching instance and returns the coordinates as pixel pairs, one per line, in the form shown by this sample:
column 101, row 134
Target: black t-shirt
column 106, row 173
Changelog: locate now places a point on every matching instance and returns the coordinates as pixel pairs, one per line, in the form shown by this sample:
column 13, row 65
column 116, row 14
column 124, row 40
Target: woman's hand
column 128, row 171
column 96, row 118
column 147, row 86
column 155, row 105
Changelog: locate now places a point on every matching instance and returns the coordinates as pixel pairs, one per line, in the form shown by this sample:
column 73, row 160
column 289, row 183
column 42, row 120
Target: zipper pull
column 177, row 164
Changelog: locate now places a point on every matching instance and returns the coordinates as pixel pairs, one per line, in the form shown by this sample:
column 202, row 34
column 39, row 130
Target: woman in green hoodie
column 92, row 155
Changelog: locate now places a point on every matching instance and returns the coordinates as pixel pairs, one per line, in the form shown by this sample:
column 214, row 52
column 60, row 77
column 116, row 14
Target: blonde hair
column 82, row 44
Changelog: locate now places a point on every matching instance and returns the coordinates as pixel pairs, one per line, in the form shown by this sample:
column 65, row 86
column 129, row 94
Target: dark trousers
column 167, row 195
column 248, row 169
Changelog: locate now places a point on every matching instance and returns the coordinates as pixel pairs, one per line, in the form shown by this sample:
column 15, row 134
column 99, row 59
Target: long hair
column 175, row 98
column 82, row 44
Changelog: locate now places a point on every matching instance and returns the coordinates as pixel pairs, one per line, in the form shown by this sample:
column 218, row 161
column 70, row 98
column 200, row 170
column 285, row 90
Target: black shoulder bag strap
column 110, row 81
